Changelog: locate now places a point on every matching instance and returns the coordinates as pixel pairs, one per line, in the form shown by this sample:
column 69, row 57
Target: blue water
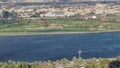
column 53, row 47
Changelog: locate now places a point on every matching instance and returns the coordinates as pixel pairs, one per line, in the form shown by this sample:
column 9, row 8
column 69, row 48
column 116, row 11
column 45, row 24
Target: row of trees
column 64, row 63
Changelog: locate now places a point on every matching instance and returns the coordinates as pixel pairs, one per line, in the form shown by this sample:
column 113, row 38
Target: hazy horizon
column 52, row 0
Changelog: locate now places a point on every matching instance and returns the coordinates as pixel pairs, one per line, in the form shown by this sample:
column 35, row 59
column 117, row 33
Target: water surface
column 52, row 47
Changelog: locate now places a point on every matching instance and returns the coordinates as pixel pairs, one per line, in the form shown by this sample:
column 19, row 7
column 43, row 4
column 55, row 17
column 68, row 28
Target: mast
column 79, row 54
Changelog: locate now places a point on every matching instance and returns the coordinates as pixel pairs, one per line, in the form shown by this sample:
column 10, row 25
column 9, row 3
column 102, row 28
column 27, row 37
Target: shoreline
column 55, row 33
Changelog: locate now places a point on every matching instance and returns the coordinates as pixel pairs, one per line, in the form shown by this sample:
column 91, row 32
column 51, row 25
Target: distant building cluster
column 56, row 0
column 63, row 0
column 59, row 13
column 39, row 0
column 84, row 12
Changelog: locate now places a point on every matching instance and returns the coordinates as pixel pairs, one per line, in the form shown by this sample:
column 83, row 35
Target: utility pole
column 79, row 54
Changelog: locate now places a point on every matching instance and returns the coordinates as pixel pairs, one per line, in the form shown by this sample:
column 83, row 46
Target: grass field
column 28, row 26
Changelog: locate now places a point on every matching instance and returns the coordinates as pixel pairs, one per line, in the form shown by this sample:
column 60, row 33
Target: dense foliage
column 64, row 63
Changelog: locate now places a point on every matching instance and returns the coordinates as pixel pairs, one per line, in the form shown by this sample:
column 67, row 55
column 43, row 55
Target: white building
column 58, row 14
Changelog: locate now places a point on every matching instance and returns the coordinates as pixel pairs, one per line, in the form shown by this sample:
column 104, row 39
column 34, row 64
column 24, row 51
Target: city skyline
column 52, row 0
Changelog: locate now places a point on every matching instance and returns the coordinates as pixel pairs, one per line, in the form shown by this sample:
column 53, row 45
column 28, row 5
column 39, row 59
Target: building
column 7, row 14
column 58, row 14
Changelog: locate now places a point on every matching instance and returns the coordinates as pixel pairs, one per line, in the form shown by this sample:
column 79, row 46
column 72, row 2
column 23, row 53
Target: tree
column 118, row 58
column 24, row 65
column 104, row 62
column 114, row 64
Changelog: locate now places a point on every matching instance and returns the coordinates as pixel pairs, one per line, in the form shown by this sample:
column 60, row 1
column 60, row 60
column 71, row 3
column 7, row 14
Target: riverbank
column 59, row 26
column 52, row 33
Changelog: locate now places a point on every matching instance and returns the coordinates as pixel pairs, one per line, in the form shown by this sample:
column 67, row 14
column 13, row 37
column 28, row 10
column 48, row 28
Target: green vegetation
column 33, row 26
column 65, row 63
